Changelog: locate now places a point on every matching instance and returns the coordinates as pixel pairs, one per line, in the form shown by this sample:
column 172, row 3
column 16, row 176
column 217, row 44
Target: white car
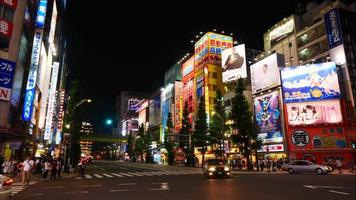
column 5, row 187
column 305, row 166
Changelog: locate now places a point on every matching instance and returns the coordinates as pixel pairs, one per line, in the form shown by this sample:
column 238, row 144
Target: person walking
column 47, row 167
column 351, row 166
column 8, row 166
column 53, row 170
column 338, row 165
column 268, row 165
column 59, row 168
column 26, row 172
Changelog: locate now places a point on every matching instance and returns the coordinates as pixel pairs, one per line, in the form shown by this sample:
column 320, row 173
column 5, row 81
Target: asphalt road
column 115, row 180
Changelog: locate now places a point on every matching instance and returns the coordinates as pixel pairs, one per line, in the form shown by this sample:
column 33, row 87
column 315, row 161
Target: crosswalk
column 18, row 187
column 136, row 174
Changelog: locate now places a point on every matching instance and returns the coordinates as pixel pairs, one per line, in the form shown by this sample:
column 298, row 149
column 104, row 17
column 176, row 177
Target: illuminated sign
column 53, row 23
column 265, row 73
column 300, row 138
column 333, row 28
column 281, row 31
column 188, row 66
column 7, row 71
column 61, row 111
column 32, row 76
column 234, row 63
column 310, row 82
column 268, row 117
column 41, row 14
column 6, row 28
column 329, row 142
column 178, row 106
column 317, row 112
column 271, row 148
column 133, row 104
column 52, row 97
column 10, row 3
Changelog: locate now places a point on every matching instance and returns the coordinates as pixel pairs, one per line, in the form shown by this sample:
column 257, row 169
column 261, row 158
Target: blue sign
column 7, row 71
column 310, row 82
column 333, row 28
column 32, row 76
column 41, row 14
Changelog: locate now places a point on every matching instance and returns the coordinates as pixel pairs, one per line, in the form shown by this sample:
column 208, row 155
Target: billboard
column 282, row 31
column 265, row 73
column 32, row 76
column 271, row 148
column 311, row 113
column 268, row 117
column 333, row 28
column 317, row 138
column 41, row 14
column 188, row 67
column 310, row 82
column 233, row 62
column 7, row 72
column 178, row 106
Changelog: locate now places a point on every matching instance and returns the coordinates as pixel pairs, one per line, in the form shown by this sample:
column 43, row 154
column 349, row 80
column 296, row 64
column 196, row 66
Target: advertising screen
column 319, row 112
column 265, row 73
column 268, row 116
column 234, row 63
column 317, row 138
column 310, row 82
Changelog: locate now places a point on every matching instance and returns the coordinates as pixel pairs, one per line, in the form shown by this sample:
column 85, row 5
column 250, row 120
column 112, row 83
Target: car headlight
column 212, row 169
column 226, row 168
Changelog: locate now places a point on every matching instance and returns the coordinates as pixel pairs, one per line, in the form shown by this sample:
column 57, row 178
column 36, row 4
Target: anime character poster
column 310, row 83
column 268, row 115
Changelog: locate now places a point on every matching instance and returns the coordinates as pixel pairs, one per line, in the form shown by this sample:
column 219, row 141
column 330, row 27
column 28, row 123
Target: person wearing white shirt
column 27, row 167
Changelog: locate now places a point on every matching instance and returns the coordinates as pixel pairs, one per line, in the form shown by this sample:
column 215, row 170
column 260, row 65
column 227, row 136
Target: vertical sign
column 41, row 14
column 178, row 106
column 32, row 76
column 333, row 28
column 52, row 97
column 7, row 71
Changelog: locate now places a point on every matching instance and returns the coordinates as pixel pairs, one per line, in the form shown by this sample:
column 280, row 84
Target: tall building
column 127, row 104
column 155, row 115
column 188, row 89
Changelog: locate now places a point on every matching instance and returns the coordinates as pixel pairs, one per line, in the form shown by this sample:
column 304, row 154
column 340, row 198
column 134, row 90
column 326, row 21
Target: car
column 216, row 168
column 5, row 187
column 305, row 166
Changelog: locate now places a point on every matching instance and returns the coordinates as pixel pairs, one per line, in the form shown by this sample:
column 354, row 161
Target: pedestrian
column 338, row 165
column 273, row 166
column 268, row 165
column 47, row 167
column 81, row 168
column 27, row 167
column 8, row 166
column 262, row 165
column 351, row 166
column 59, row 168
column 53, row 170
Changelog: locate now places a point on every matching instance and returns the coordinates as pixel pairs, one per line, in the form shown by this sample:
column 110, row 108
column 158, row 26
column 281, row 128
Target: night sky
column 114, row 48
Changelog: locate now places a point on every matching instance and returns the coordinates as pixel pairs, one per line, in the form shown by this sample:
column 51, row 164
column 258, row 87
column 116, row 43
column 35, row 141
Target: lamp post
column 70, row 126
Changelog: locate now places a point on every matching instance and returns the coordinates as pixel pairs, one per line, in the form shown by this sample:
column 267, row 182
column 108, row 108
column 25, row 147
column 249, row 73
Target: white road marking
column 88, row 176
column 78, row 177
column 118, row 175
column 325, row 186
column 70, row 192
column 92, row 185
column 135, row 174
column 127, row 184
column 163, row 186
column 338, row 192
column 84, row 192
column 108, row 175
column 98, row 176
column 122, row 190
column 125, row 174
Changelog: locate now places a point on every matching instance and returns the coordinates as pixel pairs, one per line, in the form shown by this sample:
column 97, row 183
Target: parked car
column 5, row 187
column 216, row 168
column 305, row 166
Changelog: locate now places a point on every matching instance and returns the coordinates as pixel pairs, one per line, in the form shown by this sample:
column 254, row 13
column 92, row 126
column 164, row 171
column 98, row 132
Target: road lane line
column 92, row 185
column 338, row 192
column 88, row 176
column 108, row 175
column 121, row 184
column 84, row 192
column 125, row 174
column 122, row 190
column 98, row 176
column 70, row 192
column 118, row 175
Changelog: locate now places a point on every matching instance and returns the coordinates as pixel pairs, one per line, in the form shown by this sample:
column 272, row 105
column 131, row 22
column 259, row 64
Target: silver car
column 5, row 187
column 305, row 166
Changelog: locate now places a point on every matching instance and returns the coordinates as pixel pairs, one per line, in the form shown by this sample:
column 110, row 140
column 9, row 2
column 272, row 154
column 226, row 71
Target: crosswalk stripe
column 118, row 175
column 135, row 174
column 98, row 176
column 88, row 176
column 146, row 173
column 108, row 175
column 125, row 174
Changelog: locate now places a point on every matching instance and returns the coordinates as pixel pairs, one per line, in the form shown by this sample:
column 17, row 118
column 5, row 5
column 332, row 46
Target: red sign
column 6, row 28
column 271, row 148
column 10, row 3
column 5, row 93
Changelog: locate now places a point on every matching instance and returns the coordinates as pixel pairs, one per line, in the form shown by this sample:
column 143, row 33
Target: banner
column 233, row 62
column 310, row 82
column 333, row 28
column 7, row 72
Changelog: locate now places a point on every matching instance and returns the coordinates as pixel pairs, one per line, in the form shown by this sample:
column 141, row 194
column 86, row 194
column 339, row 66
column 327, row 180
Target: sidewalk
column 38, row 178
column 244, row 171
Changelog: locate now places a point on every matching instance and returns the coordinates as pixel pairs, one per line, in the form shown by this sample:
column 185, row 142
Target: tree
column 185, row 131
column 243, row 123
column 147, row 147
column 140, row 142
column 168, row 144
column 217, row 123
column 201, row 129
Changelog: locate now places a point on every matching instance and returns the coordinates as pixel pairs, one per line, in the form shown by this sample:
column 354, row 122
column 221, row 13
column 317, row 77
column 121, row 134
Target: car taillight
column 8, row 182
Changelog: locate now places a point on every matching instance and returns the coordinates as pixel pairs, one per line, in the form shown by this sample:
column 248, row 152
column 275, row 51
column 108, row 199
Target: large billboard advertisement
column 32, row 76
column 188, row 67
column 268, row 117
column 317, row 138
column 310, row 82
column 7, row 72
column 333, row 28
column 311, row 113
column 265, row 73
column 282, row 31
column 233, row 62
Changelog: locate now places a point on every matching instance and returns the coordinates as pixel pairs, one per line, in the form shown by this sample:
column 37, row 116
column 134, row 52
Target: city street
column 122, row 180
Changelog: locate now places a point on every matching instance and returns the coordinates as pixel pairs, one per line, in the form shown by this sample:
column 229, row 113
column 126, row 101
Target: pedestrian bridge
column 103, row 138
